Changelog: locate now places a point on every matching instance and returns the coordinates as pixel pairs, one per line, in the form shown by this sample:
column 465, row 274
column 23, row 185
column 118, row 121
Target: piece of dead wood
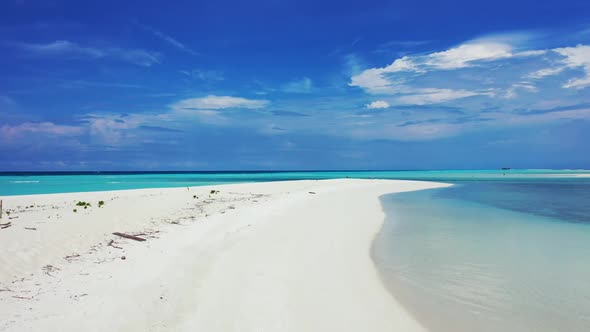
column 23, row 297
column 6, row 225
column 31, row 228
column 128, row 236
column 110, row 244
column 312, row 192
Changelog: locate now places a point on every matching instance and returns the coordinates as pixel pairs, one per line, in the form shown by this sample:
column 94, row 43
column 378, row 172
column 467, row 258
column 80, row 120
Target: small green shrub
column 75, row 210
column 84, row 204
column 100, row 203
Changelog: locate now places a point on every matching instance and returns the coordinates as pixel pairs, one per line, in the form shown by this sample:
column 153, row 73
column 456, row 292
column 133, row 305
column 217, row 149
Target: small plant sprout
column 100, row 203
column 75, row 210
column 195, row 196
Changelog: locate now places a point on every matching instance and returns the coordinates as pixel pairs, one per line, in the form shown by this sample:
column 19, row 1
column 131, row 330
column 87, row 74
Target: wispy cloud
column 289, row 113
column 213, row 102
column 577, row 57
column 167, row 38
column 204, row 75
column 8, row 132
column 72, row 50
column 302, row 85
column 397, row 45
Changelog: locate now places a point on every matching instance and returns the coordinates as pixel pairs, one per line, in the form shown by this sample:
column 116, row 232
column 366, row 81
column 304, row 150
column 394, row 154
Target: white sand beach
column 278, row 256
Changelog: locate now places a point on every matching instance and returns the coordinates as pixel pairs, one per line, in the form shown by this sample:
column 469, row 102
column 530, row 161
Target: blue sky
column 271, row 85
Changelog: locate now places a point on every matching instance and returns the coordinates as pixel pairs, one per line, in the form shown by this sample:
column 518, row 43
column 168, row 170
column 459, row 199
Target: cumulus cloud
column 377, row 104
column 213, row 102
column 67, row 49
column 490, row 67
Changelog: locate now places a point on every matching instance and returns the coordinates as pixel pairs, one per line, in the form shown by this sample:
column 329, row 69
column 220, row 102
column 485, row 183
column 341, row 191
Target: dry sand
column 280, row 256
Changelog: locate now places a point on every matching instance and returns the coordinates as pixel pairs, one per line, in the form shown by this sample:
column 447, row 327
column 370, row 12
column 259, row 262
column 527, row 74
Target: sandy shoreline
column 279, row 256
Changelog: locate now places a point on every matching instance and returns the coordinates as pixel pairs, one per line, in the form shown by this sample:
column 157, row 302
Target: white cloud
column 393, row 79
column 467, row 54
column 448, row 75
column 546, row 72
column 303, row 85
column 213, row 102
column 434, row 96
column 377, row 104
column 64, row 48
column 577, row 57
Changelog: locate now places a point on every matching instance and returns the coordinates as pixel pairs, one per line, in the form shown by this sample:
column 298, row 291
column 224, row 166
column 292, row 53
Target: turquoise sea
column 501, row 250
column 45, row 183
column 491, row 255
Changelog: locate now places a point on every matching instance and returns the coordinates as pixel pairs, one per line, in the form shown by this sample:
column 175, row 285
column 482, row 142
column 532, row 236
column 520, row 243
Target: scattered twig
column 31, row 228
column 312, row 192
column 110, row 244
column 69, row 258
column 23, row 297
column 127, row 236
column 6, row 225
column 49, row 269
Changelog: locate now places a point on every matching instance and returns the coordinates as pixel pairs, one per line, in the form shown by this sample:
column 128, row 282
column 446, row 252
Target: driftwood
column 31, row 228
column 3, row 226
column 128, row 236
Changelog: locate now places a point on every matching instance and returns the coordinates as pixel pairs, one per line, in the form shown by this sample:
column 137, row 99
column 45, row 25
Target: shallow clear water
column 491, row 256
column 44, row 183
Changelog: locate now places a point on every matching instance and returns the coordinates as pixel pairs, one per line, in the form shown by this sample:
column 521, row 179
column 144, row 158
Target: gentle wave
column 24, row 181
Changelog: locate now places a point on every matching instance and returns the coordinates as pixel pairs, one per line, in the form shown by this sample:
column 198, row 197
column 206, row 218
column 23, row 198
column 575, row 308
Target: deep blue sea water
column 491, row 255
column 45, row 183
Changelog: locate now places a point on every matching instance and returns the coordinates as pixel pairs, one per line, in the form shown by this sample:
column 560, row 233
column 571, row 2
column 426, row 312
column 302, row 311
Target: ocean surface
column 46, row 183
column 488, row 255
column 501, row 250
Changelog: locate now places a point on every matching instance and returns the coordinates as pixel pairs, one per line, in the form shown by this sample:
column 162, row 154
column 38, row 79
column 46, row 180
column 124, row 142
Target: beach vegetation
column 75, row 210
column 100, row 204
